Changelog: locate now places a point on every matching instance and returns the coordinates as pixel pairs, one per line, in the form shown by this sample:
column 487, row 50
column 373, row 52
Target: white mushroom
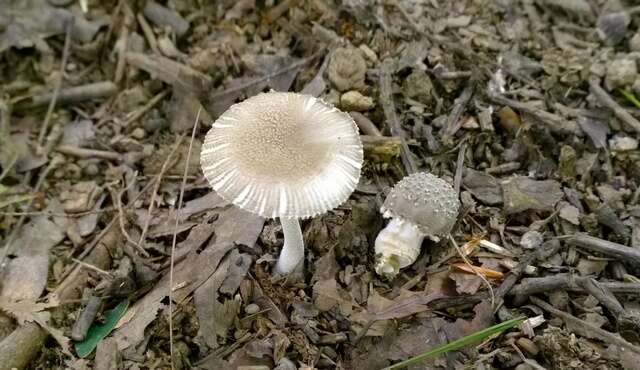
column 283, row 155
column 419, row 205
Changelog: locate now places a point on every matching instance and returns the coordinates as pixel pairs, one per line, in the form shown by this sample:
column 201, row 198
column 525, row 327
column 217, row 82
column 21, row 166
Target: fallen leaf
column 130, row 329
column 326, row 267
column 482, row 186
column 26, row 274
column 98, row 331
column 28, row 21
column 30, row 311
column 522, row 193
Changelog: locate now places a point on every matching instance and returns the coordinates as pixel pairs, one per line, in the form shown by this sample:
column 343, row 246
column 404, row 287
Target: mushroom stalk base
column 397, row 246
column 293, row 250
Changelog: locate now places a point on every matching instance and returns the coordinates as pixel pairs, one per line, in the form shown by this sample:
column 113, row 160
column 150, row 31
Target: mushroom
column 283, row 155
column 420, row 205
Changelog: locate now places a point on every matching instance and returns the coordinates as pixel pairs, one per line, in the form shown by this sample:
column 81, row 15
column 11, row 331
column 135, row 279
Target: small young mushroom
column 283, row 155
column 419, row 205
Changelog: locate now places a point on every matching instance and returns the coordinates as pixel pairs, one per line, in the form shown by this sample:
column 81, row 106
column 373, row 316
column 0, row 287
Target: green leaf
column 459, row 343
column 98, row 331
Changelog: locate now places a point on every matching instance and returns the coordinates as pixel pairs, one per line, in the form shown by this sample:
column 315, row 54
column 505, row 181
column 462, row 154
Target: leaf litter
column 544, row 107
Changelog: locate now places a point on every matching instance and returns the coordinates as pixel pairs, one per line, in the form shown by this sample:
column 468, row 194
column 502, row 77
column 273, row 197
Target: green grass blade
column 459, row 343
column 630, row 97
column 98, row 331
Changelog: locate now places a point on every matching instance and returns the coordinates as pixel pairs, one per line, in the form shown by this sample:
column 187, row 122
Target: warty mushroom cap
column 283, row 155
column 424, row 200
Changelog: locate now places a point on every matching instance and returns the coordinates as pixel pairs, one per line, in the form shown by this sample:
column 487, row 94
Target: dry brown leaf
column 30, row 311
column 26, row 274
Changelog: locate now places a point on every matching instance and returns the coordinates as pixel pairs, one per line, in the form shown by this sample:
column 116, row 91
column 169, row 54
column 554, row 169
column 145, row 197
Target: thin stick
column 90, row 267
column 389, row 108
column 589, row 329
column 457, row 180
column 144, row 109
column 466, row 260
column 148, row 33
column 118, row 201
column 156, row 187
column 56, row 91
column 175, row 233
column 608, row 102
column 88, row 153
column 124, row 42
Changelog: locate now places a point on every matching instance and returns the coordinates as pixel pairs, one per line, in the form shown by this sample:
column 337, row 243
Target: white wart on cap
column 419, row 205
column 283, row 155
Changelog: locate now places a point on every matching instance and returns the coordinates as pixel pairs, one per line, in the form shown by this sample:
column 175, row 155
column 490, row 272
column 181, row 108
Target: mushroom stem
column 293, row 250
column 397, row 246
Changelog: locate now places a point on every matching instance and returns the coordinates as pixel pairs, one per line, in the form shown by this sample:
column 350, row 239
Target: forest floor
column 526, row 107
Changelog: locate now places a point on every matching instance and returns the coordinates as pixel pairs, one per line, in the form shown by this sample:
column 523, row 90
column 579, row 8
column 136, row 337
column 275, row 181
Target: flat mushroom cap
column 283, row 155
column 425, row 200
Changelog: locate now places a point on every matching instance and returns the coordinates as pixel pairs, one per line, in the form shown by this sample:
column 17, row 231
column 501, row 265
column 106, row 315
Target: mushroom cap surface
column 283, row 154
column 424, row 200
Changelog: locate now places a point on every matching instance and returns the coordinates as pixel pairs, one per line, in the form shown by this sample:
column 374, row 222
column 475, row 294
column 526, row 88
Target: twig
column 118, row 201
column 453, row 123
column 602, row 294
column 145, row 108
column 242, row 87
column 90, row 266
column 531, row 286
column 607, row 101
column 58, row 87
column 533, row 364
column 123, row 42
column 86, row 317
column 619, row 251
column 76, row 94
column 175, row 232
column 552, row 121
column 457, row 180
column 584, row 328
column 177, row 74
column 278, row 10
column 156, row 187
column 163, row 17
column 389, row 108
column 148, row 33
column 88, row 153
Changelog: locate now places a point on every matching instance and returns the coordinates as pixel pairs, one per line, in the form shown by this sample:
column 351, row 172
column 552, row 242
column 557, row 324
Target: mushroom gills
column 397, row 246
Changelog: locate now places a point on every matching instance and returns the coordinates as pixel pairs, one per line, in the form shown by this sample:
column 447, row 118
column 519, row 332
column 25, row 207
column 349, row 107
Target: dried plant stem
column 582, row 327
column 124, row 42
column 156, row 187
column 389, row 108
column 175, row 233
column 88, row 153
column 466, row 261
column 144, row 109
column 148, row 33
column 58, row 87
column 117, row 199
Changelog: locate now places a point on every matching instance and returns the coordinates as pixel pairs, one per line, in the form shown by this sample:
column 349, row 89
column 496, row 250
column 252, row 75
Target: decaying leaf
column 30, row 311
column 25, row 276
column 522, row 193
